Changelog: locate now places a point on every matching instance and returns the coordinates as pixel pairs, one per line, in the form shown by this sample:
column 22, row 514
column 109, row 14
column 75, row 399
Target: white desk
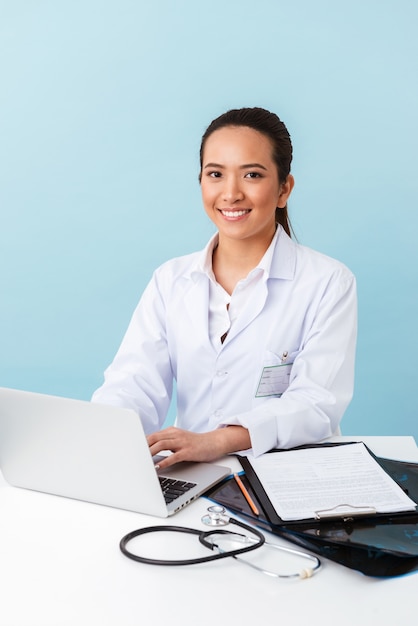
column 60, row 564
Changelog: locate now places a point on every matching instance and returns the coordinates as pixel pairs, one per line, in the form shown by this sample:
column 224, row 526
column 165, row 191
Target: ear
column 285, row 191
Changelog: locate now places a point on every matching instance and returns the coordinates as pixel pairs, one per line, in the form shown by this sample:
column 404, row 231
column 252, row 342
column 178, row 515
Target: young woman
column 258, row 331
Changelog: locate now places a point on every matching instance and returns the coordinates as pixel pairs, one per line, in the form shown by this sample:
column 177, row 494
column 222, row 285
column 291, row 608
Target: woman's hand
column 189, row 446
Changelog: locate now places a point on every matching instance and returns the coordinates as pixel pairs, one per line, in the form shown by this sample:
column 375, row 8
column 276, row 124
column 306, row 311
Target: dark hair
column 273, row 128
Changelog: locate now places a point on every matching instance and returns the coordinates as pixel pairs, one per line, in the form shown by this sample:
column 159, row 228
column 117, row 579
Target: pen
column 246, row 495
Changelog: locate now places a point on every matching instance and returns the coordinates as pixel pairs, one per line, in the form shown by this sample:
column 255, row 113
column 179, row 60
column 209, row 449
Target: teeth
column 235, row 213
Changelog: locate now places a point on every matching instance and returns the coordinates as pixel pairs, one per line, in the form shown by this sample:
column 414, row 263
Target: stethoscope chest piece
column 216, row 516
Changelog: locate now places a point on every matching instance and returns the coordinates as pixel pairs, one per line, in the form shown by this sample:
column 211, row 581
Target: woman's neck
column 234, row 259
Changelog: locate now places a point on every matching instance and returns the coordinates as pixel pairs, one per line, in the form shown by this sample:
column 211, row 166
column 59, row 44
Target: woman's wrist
column 233, row 439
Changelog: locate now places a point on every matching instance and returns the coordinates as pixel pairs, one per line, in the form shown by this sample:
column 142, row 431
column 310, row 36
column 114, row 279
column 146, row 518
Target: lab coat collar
column 282, row 256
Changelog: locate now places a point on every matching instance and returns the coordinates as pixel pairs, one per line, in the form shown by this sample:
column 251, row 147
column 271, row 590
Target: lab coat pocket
column 275, row 374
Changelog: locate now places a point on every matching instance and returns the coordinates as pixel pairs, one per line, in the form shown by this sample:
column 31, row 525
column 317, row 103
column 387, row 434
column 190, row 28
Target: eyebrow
column 242, row 167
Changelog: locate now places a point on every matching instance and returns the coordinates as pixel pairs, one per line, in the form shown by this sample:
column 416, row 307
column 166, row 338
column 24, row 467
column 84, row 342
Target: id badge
column 274, row 380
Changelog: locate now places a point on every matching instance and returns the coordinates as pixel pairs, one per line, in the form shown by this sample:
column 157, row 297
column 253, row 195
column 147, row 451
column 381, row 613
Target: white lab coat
column 306, row 308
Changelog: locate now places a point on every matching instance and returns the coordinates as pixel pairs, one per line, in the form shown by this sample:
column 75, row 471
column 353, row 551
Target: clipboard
column 376, row 545
column 228, row 494
column 342, row 510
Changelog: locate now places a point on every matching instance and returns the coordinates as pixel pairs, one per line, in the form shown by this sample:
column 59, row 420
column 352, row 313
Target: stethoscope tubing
column 203, row 538
column 218, row 517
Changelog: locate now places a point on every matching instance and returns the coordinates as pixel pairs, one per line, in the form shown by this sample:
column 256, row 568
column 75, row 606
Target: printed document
column 328, row 482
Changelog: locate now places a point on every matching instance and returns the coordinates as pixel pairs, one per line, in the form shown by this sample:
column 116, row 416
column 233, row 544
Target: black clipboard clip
column 345, row 511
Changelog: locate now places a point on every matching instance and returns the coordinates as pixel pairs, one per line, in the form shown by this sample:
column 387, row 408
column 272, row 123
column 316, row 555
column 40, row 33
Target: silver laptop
column 91, row 452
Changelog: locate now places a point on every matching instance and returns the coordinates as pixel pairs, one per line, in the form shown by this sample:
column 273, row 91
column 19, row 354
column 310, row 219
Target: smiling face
column 240, row 184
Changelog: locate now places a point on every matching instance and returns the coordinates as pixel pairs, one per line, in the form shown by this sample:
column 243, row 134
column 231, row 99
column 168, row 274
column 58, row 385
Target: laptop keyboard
column 173, row 488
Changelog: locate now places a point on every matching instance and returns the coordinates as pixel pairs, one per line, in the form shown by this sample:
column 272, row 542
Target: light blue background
column 102, row 107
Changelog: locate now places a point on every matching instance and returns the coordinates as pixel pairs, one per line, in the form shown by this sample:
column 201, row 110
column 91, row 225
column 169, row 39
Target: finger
column 174, row 443
column 167, row 461
column 159, row 446
column 166, row 433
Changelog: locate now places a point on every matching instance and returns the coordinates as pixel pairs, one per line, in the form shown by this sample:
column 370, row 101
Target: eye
column 253, row 175
column 214, row 174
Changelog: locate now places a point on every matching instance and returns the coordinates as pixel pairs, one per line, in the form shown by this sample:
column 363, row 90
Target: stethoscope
column 216, row 517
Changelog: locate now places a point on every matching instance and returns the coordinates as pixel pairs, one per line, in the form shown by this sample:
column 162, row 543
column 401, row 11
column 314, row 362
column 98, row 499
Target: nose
column 232, row 190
